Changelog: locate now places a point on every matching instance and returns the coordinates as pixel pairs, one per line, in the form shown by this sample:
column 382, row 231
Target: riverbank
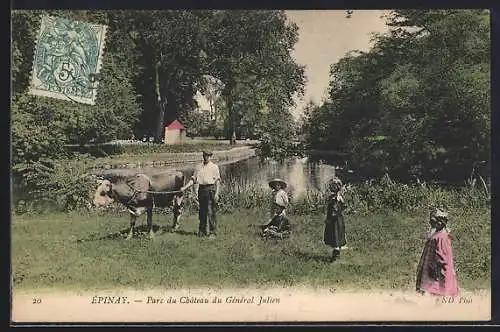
column 167, row 159
column 87, row 252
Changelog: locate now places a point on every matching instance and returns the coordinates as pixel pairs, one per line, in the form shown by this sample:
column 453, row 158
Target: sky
column 325, row 36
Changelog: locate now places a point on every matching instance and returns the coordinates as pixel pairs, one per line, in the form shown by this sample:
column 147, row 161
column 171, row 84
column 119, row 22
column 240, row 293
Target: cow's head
column 102, row 195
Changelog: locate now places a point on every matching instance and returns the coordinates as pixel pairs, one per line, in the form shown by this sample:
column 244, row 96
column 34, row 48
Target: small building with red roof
column 175, row 133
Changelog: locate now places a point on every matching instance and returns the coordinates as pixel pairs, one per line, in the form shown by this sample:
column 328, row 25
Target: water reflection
column 300, row 174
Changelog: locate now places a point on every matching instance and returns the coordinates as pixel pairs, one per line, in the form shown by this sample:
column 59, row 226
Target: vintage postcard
column 263, row 166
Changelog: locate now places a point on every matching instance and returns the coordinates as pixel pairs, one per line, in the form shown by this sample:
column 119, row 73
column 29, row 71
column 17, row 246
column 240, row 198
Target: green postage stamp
column 67, row 59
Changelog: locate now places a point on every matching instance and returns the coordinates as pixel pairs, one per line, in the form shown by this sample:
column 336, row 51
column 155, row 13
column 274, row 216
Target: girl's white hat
column 439, row 214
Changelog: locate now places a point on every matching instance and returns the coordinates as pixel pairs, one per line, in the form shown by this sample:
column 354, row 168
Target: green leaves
column 249, row 51
column 425, row 85
column 276, row 132
column 400, row 89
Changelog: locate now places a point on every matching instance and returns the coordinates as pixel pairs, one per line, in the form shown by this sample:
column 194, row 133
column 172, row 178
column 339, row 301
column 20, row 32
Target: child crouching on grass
column 278, row 226
column 334, row 234
column 436, row 271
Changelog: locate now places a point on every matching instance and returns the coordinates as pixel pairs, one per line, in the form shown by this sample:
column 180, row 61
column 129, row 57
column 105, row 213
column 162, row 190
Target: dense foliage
column 417, row 104
column 154, row 64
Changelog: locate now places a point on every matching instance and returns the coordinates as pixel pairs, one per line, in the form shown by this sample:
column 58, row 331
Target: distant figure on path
column 279, row 225
column 207, row 178
column 436, row 271
column 334, row 234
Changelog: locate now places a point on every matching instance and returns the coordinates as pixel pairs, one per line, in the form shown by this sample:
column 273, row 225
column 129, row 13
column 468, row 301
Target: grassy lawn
column 384, row 251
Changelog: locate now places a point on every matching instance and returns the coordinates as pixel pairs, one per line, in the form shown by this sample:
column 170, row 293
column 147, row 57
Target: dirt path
column 245, row 305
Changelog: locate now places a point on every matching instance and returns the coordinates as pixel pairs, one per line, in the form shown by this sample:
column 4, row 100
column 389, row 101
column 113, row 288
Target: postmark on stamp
column 67, row 59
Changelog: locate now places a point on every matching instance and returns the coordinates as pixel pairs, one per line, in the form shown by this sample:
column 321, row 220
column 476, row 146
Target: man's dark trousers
column 208, row 210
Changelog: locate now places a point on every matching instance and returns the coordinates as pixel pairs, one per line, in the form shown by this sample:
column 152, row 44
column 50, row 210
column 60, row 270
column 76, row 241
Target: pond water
column 300, row 174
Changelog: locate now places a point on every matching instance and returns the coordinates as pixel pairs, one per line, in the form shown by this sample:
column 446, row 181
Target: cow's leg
column 132, row 225
column 177, row 216
column 177, row 211
column 150, row 221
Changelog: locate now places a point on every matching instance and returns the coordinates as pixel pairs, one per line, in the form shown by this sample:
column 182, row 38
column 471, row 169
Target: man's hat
column 207, row 153
column 279, row 181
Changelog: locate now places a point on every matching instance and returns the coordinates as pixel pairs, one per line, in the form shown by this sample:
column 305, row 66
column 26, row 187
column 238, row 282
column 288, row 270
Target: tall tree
column 253, row 49
column 418, row 101
column 170, row 68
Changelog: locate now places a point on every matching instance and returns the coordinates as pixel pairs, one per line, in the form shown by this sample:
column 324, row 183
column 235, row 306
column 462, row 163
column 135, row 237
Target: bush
column 35, row 149
column 102, row 150
column 66, row 187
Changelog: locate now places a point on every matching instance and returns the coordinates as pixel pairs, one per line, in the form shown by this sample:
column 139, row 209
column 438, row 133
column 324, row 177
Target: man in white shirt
column 207, row 178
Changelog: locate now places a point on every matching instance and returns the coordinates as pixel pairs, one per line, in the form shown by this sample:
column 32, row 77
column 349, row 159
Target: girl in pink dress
column 436, row 271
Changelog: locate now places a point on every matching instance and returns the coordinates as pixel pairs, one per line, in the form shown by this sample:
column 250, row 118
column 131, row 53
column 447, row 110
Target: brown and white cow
column 136, row 193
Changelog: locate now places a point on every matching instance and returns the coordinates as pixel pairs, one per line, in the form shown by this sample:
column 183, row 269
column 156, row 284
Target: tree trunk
column 161, row 110
column 210, row 103
column 229, row 102
column 232, row 132
column 215, row 113
column 161, row 119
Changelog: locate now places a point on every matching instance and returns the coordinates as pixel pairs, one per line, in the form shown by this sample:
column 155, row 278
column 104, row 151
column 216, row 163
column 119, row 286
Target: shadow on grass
column 182, row 232
column 306, row 256
column 140, row 231
column 256, row 226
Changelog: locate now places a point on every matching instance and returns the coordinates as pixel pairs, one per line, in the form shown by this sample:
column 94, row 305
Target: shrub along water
column 103, row 150
column 364, row 199
column 64, row 188
column 69, row 188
